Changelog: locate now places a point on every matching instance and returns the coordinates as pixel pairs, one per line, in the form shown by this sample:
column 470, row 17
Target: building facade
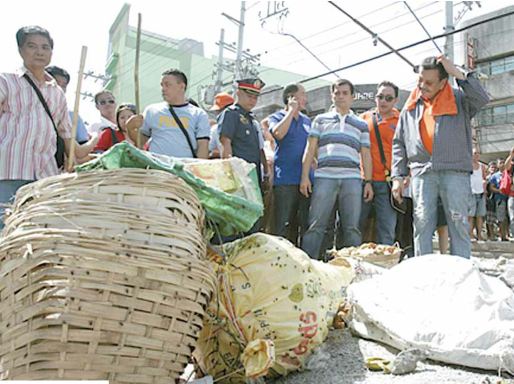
column 490, row 51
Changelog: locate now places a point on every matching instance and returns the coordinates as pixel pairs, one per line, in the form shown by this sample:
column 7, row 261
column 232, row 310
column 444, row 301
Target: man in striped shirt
column 28, row 139
column 341, row 141
column 433, row 141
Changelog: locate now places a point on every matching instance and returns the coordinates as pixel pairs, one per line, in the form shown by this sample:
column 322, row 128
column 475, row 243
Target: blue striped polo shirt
column 340, row 139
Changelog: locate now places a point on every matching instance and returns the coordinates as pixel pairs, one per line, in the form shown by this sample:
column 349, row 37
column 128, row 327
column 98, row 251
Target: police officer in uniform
column 240, row 132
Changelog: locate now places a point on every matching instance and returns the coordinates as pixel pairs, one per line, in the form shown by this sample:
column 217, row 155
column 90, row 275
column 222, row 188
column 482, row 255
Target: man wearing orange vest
column 434, row 140
column 382, row 120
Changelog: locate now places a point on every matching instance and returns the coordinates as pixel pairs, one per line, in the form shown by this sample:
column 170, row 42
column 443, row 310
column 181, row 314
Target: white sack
column 442, row 304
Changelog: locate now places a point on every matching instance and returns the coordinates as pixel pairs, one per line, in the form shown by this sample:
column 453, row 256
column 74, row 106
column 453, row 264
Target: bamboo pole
column 136, row 74
column 71, row 157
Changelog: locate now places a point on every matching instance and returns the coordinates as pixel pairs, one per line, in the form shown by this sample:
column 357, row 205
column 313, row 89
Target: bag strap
column 380, row 145
column 114, row 138
column 42, row 100
column 177, row 120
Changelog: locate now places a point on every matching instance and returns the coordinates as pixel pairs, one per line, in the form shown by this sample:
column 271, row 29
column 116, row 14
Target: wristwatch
column 367, row 181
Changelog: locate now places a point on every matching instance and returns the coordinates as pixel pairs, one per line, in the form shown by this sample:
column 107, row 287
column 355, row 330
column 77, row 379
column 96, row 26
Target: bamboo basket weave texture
column 103, row 276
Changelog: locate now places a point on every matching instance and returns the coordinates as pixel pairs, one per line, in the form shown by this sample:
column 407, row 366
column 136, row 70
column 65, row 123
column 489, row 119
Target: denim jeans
column 8, row 189
column 454, row 189
column 347, row 194
column 291, row 211
column 385, row 214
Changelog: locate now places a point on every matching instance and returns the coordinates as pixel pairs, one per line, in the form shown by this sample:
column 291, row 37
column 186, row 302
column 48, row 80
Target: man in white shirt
column 106, row 104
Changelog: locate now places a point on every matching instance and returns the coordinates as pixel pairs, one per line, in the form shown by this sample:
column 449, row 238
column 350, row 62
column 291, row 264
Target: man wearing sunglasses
column 106, row 105
column 384, row 119
column 433, row 140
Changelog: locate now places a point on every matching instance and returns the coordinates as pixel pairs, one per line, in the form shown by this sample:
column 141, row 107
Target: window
column 498, row 66
column 484, row 68
column 501, row 114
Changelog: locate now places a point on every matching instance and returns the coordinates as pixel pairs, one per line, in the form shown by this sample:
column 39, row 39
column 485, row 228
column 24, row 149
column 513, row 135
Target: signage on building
column 471, row 53
column 364, row 95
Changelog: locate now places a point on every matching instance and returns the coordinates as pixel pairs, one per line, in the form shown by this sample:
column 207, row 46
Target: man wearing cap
column 290, row 129
column 433, row 140
column 240, row 133
column 175, row 127
column 221, row 101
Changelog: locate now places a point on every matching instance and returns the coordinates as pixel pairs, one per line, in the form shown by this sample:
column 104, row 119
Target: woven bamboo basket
column 103, row 277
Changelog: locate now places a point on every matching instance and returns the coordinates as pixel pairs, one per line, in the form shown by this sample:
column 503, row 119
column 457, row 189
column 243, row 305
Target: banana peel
column 379, row 364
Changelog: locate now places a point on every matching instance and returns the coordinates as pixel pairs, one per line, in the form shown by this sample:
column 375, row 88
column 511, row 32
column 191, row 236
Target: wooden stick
column 71, row 158
column 136, row 74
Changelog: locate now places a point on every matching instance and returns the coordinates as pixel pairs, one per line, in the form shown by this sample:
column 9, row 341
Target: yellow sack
column 273, row 306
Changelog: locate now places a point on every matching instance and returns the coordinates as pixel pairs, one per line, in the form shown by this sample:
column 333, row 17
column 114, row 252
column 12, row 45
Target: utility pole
column 240, row 41
column 219, row 70
column 450, row 27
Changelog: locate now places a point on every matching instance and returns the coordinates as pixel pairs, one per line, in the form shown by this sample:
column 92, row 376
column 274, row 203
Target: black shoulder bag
column 177, row 120
column 59, row 153
column 114, row 138
column 399, row 207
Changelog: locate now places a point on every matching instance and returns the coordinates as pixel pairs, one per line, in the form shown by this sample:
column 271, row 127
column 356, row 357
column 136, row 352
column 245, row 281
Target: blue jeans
column 8, row 189
column 290, row 213
column 347, row 194
column 454, row 189
column 386, row 215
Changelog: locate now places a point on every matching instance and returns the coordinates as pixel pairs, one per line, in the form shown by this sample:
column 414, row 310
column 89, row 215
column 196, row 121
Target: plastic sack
column 440, row 304
column 234, row 203
column 385, row 256
column 273, row 306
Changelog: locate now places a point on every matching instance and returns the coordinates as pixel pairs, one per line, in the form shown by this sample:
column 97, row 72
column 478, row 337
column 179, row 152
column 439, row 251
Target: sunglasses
column 387, row 98
column 103, row 102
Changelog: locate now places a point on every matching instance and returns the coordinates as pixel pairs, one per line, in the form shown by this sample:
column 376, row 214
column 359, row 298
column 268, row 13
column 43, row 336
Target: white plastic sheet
column 442, row 304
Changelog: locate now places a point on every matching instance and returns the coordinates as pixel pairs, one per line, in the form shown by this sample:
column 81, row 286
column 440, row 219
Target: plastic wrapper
column 228, row 189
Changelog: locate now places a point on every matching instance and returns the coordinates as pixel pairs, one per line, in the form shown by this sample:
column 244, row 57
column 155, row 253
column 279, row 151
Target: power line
column 361, row 39
column 412, row 45
column 344, row 23
column 153, row 62
column 375, row 36
column 422, row 26
column 405, row 47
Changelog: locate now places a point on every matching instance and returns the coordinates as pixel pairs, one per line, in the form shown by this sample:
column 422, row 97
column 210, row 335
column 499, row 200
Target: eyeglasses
column 387, row 98
column 103, row 102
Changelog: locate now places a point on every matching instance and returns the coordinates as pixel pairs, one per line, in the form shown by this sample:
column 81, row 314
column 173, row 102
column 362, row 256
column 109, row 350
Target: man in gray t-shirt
column 161, row 129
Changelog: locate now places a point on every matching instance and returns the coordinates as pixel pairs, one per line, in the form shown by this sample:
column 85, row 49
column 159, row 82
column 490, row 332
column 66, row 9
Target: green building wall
column 159, row 53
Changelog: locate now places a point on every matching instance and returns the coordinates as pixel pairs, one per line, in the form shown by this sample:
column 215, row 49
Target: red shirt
column 105, row 140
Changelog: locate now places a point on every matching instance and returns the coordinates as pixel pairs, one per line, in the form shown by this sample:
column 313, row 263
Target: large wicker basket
column 102, row 277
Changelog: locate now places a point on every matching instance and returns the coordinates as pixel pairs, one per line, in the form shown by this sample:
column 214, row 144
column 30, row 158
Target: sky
column 321, row 27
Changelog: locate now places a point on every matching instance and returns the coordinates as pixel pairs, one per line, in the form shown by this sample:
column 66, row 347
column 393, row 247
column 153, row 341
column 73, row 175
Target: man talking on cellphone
column 290, row 129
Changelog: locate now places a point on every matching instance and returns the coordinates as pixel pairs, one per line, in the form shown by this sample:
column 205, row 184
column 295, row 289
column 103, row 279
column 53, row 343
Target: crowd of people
column 340, row 179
